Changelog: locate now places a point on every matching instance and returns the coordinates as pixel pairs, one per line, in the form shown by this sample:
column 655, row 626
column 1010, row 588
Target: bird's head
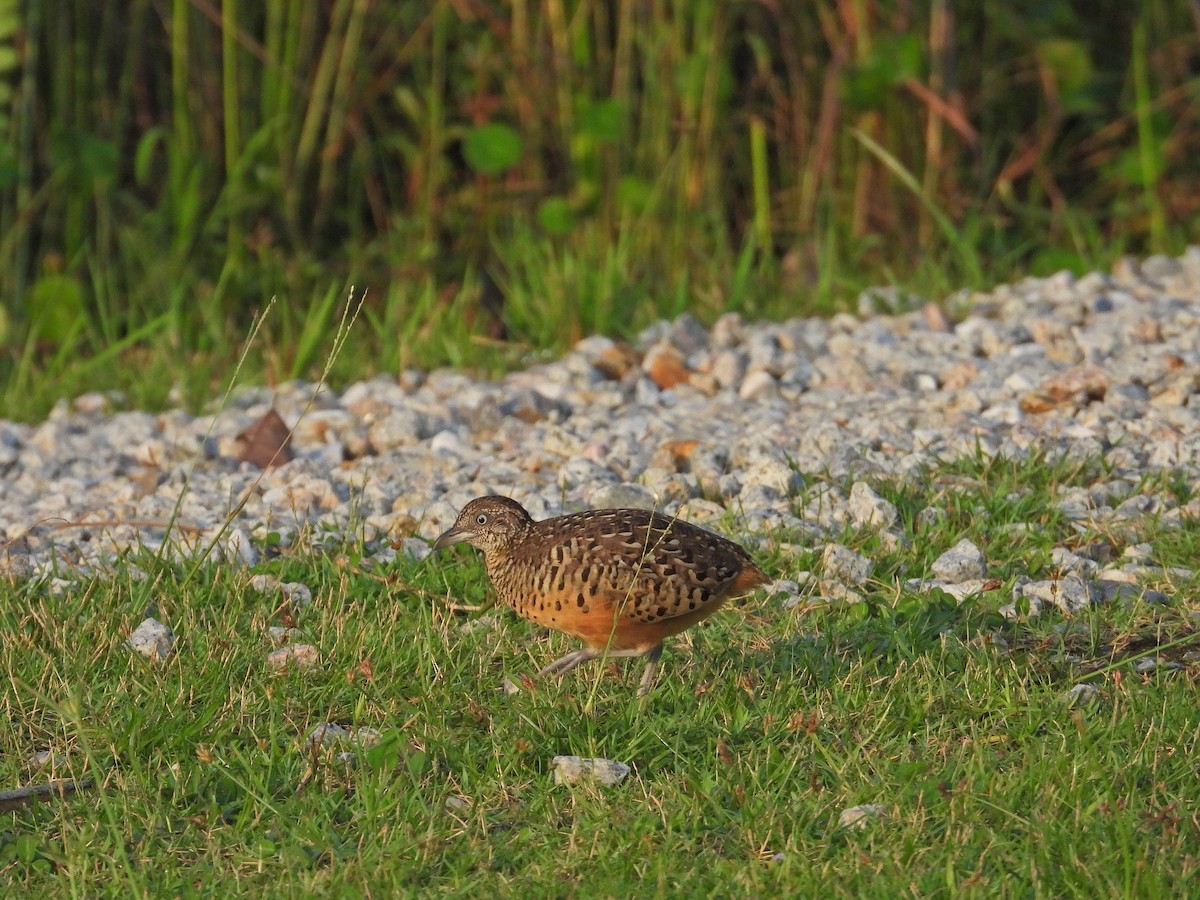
column 489, row 523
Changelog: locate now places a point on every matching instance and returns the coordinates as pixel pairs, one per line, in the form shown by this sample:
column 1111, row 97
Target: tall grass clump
column 547, row 168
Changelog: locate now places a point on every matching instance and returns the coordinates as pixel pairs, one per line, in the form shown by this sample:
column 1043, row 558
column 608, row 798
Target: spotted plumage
column 622, row 580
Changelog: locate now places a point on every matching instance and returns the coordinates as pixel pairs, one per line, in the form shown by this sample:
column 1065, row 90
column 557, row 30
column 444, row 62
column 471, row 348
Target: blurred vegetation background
column 504, row 176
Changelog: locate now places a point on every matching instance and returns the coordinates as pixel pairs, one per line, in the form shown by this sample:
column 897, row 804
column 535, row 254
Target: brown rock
column 958, row 376
column 935, row 318
column 674, row 455
column 665, row 366
column 615, row 361
column 266, row 443
column 1078, row 386
column 1146, row 331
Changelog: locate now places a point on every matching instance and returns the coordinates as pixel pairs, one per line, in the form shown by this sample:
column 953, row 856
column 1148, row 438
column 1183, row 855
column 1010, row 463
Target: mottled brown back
column 619, row 577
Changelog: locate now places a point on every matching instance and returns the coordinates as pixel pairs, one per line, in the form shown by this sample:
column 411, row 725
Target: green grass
column 765, row 724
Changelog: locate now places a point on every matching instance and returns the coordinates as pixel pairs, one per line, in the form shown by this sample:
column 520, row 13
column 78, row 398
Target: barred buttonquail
column 620, row 579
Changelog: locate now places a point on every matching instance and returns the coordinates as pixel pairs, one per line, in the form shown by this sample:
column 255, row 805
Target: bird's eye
column 481, row 519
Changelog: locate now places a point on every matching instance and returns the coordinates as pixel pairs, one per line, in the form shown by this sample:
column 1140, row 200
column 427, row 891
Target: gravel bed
column 691, row 420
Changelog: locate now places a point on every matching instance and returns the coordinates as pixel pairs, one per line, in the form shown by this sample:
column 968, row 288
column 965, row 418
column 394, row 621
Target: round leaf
column 490, row 149
column 554, row 215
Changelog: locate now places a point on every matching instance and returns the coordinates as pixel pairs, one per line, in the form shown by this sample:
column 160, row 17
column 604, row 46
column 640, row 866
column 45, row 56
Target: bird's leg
column 647, row 681
column 568, row 661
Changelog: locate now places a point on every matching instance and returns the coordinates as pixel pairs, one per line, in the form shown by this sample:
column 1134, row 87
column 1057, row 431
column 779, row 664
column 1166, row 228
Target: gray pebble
column 576, row 770
column 152, row 639
column 962, row 562
column 622, row 495
column 844, row 564
column 868, row 509
column 859, row 817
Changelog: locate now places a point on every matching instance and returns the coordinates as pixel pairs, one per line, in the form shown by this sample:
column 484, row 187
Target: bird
column 622, row 580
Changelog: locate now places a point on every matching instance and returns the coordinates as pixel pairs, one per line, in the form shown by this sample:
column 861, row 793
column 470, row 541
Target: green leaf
column 85, row 158
column 417, row 763
column 9, row 173
column 633, row 193
column 857, row 612
column 143, row 154
column 554, row 215
column 603, row 121
column 490, row 149
column 383, row 756
column 56, row 308
column 27, row 847
column 1071, row 66
column 892, row 60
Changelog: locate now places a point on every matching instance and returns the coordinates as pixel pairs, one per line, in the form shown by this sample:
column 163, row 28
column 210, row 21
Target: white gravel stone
column 297, row 594
column 327, row 732
column 1080, row 695
column 757, row 385
column 770, row 471
column 962, row 562
column 1071, row 593
column 844, row 564
column 152, row 639
column 858, row 817
column 869, row 510
column 622, row 496
column 960, row 591
column 235, row 546
column 577, row 770
column 302, row 656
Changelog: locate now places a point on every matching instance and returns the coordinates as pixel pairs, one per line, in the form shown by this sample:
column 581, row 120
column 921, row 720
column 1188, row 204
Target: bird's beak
column 452, row 536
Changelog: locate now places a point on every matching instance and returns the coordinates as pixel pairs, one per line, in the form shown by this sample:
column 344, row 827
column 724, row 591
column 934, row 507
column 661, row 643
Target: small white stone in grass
column 415, row 549
column 893, row 541
column 959, row 591
column 299, row 655
column 929, row 517
column 785, row 586
column 43, row 759
column 265, row 583
column 509, row 687
column 61, row 586
column 152, row 639
column 962, row 562
column 576, row 769
column 236, row 547
column 1139, row 553
column 366, row 737
column 1080, row 695
column 457, row 804
column 860, row 816
column 1066, row 561
column 844, row 564
column 326, row 732
column 298, row 595
column 16, row 564
column 868, row 509
column 1069, row 593
column 1147, row 664
column 279, row 633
